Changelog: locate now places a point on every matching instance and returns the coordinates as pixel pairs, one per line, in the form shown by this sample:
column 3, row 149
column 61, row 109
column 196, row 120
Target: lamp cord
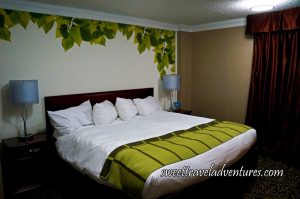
column 24, row 113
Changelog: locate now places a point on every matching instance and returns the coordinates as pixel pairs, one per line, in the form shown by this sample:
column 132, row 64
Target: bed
column 86, row 150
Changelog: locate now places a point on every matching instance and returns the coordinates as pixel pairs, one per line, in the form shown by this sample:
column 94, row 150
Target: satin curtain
column 274, row 96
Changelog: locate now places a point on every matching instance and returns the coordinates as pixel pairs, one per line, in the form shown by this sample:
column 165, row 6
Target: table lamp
column 24, row 93
column 172, row 82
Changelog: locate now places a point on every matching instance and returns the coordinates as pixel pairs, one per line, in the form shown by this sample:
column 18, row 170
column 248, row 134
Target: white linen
column 126, row 108
column 66, row 121
column 147, row 105
column 104, row 113
column 87, row 148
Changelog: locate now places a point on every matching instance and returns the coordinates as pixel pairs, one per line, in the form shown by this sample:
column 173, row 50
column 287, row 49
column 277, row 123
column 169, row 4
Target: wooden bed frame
column 64, row 174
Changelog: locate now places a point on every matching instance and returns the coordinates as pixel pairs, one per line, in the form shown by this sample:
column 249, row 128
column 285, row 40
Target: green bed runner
column 129, row 165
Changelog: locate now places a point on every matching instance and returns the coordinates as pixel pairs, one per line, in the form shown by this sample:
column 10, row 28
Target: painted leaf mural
column 73, row 31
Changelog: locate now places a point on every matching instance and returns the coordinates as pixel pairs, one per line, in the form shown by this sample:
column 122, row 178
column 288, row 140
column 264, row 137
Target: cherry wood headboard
column 54, row 103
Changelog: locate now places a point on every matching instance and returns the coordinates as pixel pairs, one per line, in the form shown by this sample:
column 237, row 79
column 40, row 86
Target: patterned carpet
column 285, row 187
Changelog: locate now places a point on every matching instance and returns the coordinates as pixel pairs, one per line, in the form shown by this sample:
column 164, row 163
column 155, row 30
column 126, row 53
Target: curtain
column 274, row 95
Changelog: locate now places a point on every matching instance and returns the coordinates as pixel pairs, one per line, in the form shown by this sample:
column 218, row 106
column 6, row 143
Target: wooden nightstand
column 187, row 112
column 24, row 165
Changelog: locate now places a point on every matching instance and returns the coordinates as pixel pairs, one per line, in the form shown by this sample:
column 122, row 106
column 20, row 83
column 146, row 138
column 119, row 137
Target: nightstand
column 24, row 165
column 187, row 112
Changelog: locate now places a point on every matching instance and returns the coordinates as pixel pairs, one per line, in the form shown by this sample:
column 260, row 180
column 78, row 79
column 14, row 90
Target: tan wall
column 221, row 63
column 184, row 65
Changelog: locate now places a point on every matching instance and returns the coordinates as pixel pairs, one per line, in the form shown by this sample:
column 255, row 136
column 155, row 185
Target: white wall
column 32, row 54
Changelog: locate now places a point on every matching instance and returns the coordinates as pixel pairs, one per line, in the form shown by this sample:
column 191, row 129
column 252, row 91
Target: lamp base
column 24, row 139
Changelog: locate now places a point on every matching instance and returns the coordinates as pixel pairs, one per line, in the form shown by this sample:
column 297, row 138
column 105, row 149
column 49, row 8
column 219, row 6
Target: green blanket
column 128, row 166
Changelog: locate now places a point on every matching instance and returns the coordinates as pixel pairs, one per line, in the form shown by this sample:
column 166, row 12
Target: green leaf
column 160, row 67
column 24, row 19
column 85, row 33
column 141, row 47
column 1, row 21
column 36, row 15
column 170, row 58
column 62, row 21
column 129, row 34
column 14, row 17
column 173, row 69
column 165, row 60
column 4, row 34
column 100, row 40
column 138, row 38
column 67, row 43
column 48, row 26
column 40, row 21
column 162, row 73
column 64, row 31
column 158, row 57
column 75, row 34
column 78, row 21
column 153, row 40
column 97, row 34
column 109, row 33
column 147, row 42
column 57, row 33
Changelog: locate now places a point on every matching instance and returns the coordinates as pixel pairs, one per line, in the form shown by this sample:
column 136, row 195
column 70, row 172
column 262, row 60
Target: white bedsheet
column 87, row 148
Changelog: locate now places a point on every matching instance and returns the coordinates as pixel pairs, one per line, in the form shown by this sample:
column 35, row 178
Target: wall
column 221, row 62
column 32, row 54
column 184, row 64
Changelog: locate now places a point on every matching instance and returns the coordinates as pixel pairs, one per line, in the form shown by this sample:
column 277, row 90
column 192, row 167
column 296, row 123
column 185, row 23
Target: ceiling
column 178, row 13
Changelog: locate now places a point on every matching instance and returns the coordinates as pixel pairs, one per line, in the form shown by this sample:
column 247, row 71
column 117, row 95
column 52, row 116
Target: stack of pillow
column 67, row 120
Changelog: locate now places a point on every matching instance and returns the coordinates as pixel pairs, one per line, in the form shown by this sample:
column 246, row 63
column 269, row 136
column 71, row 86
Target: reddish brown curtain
column 274, row 96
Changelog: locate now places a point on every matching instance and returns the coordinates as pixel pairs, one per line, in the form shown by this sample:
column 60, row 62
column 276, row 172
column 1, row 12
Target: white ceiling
column 173, row 12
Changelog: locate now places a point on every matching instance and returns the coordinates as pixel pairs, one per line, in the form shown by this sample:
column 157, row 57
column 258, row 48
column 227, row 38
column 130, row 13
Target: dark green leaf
column 40, row 21
column 78, row 21
column 153, row 40
column 8, row 11
column 48, row 26
column 14, row 17
column 97, row 34
column 4, row 34
column 165, row 60
column 139, row 38
column 1, row 21
column 64, row 31
column 36, row 15
column 109, row 33
column 67, row 43
column 171, row 60
column 85, row 33
column 158, row 57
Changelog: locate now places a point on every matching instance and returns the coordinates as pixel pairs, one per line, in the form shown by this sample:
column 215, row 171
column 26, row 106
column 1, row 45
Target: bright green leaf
column 141, row 47
column 100, row 40
column 147, row 42
column 165, row 60
column 4, row 34
column 173, row 69
column 24, row 19
column 67, row 43
column 50, row 18
column 85, row 33
column 129, row 34
column 62, row 21
column 75, row 34
column 48, row 26
column 57, row 33
column 160, row 67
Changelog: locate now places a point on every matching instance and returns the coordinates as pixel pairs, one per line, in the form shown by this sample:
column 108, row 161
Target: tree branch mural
column 75, row 31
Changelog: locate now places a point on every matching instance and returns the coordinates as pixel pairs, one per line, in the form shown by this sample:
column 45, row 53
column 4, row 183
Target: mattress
column 86, row 149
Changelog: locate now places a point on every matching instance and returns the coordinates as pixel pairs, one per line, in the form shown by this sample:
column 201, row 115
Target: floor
column 287, row 186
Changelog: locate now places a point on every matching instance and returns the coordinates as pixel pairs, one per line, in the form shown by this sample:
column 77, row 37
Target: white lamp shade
column 24, row 91
column 171, row 82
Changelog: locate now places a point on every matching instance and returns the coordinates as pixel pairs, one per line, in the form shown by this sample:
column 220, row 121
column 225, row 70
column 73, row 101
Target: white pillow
column 147, row 106
column 126, row 108
column 67, row 120
column 104, row 113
